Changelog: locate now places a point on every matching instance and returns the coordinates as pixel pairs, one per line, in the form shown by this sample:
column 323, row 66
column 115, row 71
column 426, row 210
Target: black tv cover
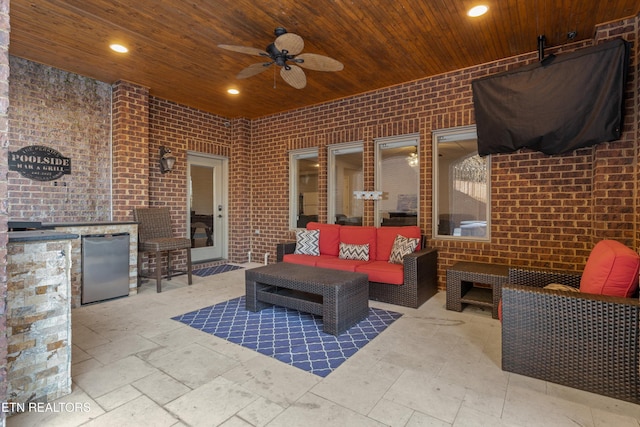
column 556, row 106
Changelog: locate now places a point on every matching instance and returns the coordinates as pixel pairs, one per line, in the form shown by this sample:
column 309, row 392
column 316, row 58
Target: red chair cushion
column 383, row 272
column 612, row 269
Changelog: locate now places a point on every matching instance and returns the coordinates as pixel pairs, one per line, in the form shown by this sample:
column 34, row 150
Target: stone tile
column 236, row 422
column 390, row 413
column 359, row 393
column 118, row 397
column 211, row 403
column 121, row 348
column 85, row 338
column 161, row 388
column 260, row 412
column 78, row 355
column 139, row 412
column 605, row 419
column 180, row 336
column 84, row 366
column 193, row 365
column 273, row 380
column 531, row 408
column 84, row 410
column 425, row 394
column 419, row 419
column 314, row 411
column 114, row 375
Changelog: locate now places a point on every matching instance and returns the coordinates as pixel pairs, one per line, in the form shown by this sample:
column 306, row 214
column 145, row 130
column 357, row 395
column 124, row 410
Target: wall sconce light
column 368, row 195
column 167, row 160
column 412, row 160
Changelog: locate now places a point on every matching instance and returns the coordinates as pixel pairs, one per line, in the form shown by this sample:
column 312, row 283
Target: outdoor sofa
column 408, row 281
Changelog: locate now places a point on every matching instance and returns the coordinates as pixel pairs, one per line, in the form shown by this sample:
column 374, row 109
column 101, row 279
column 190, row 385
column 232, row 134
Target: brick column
column 130, row 149
column 4, row 143
column 240, row 191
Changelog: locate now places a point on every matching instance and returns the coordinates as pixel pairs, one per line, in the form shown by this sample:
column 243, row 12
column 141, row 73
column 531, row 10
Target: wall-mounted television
column 558, row 105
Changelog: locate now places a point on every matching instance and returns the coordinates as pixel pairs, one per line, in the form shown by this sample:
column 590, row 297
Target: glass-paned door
column 207, row 207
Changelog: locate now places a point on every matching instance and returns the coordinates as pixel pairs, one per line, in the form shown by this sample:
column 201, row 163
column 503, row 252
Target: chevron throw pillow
column 402, row 246
column 357, row 252
column 308, row 242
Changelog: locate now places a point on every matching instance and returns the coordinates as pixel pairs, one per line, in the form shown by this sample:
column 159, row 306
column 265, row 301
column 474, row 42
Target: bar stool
column 155, row 235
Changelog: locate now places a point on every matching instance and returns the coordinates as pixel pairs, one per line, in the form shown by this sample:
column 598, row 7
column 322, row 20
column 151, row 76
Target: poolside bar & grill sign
column 39, row 163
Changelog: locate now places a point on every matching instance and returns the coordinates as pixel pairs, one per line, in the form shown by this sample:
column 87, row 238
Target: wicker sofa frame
column 420, row 277
column 585, row 341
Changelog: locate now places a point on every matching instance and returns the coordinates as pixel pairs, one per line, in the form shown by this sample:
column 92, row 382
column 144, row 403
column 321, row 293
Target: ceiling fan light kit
column 285, row 52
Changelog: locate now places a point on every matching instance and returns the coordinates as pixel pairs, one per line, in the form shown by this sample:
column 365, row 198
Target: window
column 303, row 187
column 397, row 176
column 460, row 186
column 345, row 177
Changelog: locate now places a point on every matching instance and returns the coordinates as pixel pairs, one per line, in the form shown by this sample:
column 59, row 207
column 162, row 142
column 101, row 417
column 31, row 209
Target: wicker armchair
column 155, row 235
column 584, row 341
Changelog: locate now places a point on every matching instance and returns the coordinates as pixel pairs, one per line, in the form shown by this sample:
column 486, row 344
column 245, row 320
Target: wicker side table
column 461, row 290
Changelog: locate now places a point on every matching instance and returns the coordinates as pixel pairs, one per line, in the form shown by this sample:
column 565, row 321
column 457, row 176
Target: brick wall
column 71, row 114
column 547, row 211
column 182, row 129
column 130, row 108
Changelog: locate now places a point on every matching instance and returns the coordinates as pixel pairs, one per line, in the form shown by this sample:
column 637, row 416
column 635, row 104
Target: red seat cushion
column 340, row 264
column 612, row 269
column 383, row 272
column 329, row 237
column 310, row 260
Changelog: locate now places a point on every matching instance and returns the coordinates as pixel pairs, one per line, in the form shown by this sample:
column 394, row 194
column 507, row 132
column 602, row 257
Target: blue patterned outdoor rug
column 290, row 336
column 202, row 272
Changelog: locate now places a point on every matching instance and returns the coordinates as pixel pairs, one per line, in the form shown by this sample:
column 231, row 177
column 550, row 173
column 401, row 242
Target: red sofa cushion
column 340, row 264
column 329, row 237
column 310, row 260
column 386, row 236
column 383, row 272
column 612, row 269
column 357, row 235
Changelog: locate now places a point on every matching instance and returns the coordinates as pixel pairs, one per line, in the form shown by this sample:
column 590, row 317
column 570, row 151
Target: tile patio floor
column 134, row 366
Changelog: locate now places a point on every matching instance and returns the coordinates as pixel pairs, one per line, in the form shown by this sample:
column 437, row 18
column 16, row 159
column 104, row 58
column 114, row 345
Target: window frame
column 461, row 133
column 332, row 151
column 409, row 140
column 294, row 156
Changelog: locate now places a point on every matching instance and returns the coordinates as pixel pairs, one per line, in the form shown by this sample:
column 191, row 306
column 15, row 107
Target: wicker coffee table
column 340, row 297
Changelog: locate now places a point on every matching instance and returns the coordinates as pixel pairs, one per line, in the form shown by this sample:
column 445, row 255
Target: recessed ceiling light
column 233, row 91
column 477, row 11
column 118, row 48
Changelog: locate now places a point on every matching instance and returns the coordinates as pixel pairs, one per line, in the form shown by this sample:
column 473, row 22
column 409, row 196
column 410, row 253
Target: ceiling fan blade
column 316, row 62
column 253, row 70
column 294, row 76
column 244, row 49
column 290, row 42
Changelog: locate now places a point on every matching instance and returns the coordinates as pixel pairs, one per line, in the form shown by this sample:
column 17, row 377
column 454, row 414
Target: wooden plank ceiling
column 174, row 44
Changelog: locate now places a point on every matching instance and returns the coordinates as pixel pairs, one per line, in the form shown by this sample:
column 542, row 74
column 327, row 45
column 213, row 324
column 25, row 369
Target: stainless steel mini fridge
column 105, row 266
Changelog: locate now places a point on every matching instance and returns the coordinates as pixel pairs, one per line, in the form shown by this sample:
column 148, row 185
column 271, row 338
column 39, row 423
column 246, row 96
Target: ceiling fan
column 285, row 53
